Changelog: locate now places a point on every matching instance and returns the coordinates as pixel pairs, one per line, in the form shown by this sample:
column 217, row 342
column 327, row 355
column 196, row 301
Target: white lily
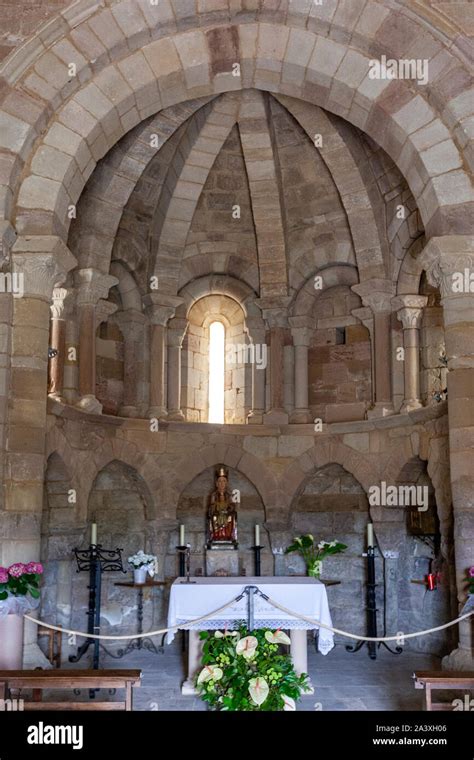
column 289, row 703
column 258, row 690
column 321, row 544
column 311, row 537
column 332, row 543
column 247, row 647
column 210, row 672
column 277, row 638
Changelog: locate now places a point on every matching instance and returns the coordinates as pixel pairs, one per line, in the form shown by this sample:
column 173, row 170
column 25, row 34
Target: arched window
column 216, row 372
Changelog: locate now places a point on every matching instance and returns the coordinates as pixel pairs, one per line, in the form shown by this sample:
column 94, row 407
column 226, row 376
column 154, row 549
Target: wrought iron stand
column 95, row 560
column 140, row 642
column 257, row 551
column 371, row 613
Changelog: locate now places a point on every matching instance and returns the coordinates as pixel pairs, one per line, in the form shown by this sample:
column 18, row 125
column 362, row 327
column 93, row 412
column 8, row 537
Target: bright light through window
column 216, row 372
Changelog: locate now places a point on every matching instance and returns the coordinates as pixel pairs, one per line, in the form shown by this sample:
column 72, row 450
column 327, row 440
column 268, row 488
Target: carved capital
column 93, row 286
column 160, row 308
column 376, row 294
column 410, row 310
column 58, row 305
column 449, row 265
column 42, row 263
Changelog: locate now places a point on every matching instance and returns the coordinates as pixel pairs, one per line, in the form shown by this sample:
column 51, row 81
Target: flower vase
column 313, row 568
column 11, row 636
column 139, row 575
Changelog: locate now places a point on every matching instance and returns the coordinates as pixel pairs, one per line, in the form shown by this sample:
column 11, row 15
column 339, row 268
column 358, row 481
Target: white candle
column 94, row 533
column 181, row 535
column 370, row 534
column 257, row 535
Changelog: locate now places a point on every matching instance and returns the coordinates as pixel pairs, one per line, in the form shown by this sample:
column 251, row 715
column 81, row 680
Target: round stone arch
column 127, row 455
column 140, row 84
column 325, row 452
column 230, row 456
column 331, row 276
column 225, row 285
column 411, row 269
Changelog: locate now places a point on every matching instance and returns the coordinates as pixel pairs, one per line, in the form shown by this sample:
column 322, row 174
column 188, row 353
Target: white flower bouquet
column 146, row 561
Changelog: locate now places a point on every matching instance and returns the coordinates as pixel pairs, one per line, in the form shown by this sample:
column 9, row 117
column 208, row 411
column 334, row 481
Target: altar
column 305, row 596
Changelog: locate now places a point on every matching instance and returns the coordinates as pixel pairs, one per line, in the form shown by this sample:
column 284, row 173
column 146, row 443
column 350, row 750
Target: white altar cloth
column 306, row 596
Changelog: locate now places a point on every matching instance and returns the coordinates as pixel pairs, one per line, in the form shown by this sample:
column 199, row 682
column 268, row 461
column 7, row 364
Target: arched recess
column 248, row 464
column 192, row 512
column 120, row 504
column 324, row 452
column 331, row 505
column 139, row 84
column 322, row 279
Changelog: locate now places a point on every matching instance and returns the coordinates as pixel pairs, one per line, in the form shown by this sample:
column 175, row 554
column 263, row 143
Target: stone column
column 410, row 312
column 41, row 264
column 58, row 343
column 366, row 317
column 132, row 324
column 176, row 332
column 377, row 295
column 289, row 378
column 255, row 417
column 160, row 309
column 449, row 264
column 93, row 286
column 274, row 313
column 301, row 340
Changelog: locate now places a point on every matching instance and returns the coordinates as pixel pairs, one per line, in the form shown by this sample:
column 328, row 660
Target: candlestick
column 181, row 535
column 370, row 534
column 257, row 535
column 94, row 534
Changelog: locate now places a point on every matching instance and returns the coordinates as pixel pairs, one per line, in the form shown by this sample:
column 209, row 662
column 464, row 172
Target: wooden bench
column 37, row 680
column 442, row 679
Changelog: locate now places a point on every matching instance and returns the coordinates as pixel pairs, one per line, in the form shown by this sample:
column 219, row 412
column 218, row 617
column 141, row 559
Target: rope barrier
column 131, row 635
column 397, row 638
column 286, row 610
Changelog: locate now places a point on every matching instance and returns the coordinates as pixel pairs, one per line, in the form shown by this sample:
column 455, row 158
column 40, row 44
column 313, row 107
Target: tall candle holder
column 257, row 551
column 95, row 560
column 185, row 558
column 372, row 646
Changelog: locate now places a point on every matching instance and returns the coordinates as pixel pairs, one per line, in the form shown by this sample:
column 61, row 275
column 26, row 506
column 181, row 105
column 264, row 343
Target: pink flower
column 3, row 575
column 471, row 571
column 17, row 570
column 34, row 567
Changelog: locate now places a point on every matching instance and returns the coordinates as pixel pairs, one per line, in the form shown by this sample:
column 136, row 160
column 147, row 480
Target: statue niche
column 222, row 515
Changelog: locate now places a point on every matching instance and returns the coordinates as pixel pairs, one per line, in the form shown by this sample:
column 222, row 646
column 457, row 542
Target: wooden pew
column 37, row 680
column 442, row 679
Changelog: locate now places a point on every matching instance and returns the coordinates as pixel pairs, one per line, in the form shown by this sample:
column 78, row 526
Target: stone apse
column 167, row 166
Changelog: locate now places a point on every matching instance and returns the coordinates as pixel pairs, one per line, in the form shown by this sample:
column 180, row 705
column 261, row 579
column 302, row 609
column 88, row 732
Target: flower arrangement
column 20, row 579
column 141, row 560
column 312, row 553
column 246, row 671
column 470, row 580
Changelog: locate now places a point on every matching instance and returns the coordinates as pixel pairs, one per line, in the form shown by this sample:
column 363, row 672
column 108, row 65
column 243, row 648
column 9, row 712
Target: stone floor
column 342, row 681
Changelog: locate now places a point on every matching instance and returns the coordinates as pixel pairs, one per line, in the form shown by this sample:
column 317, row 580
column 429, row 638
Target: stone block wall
column 109, row 367
column 339, row 361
